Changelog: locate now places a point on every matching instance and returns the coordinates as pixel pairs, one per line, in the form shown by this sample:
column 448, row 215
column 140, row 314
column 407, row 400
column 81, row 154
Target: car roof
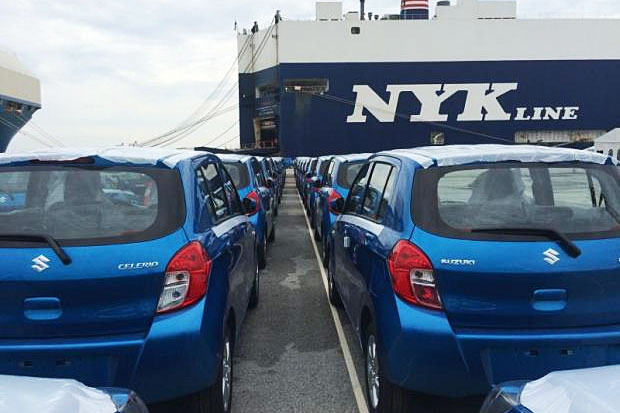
column 453, row 155
column 234, row 158
column 119, row 154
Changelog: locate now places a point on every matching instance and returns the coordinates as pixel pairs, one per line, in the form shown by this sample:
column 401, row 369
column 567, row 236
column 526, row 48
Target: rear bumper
column 425, row 354
column 176, row 358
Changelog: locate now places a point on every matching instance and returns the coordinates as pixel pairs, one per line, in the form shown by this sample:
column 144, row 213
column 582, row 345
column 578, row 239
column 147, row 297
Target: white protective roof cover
column 452, row 155
column 16, row 81
column 232, row 157
column 354, row 157
column 35, row 395
column 575, row 391
column 120, row 154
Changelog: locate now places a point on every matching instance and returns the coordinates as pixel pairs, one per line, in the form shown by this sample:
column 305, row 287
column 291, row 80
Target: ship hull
column 535, row 101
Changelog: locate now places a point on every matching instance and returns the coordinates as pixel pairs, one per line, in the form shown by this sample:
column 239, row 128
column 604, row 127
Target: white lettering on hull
column 482, row 104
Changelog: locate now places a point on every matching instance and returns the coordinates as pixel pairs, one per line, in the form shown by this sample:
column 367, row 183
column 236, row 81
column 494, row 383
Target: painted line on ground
column 358, row 391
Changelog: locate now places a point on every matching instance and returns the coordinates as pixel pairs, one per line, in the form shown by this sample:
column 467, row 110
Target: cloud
column 117, row 70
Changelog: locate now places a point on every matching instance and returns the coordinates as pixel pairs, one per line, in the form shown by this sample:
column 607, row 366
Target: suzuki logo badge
column 40, row 263
column 551, row 256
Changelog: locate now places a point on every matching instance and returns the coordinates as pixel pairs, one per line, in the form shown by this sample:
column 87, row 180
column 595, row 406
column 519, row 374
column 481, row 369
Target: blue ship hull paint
column 585, row 94
column 10, row 124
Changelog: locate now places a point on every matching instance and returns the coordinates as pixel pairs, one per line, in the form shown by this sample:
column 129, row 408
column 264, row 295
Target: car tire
column 262, row 253
column 255, row 295
column 216, row 399
column 334, row 295
column 382, row 396
column 272, row 236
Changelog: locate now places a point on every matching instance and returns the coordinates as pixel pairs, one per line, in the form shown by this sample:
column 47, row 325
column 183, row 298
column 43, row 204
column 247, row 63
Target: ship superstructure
column 20, row 97
column 474, row 73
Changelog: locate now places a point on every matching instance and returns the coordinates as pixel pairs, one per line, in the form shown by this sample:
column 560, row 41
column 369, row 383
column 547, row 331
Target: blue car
column 248, row 177
column 335, row 184
column 463, row 267
column 305, row 177
column 314, row 185
column 149, row 297
column 272, row 179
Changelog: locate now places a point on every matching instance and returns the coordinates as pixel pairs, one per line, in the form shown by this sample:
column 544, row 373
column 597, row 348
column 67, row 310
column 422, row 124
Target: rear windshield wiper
column 568, row 245
column 39, row 239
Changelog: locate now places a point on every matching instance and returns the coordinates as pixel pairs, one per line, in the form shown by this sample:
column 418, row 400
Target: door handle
column 347, row 242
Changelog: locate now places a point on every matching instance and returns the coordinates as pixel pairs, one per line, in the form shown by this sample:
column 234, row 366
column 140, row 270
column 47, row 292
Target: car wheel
column 262, row 253
column 272, row 236
column 253, row 303
column 217, row 398
column 382, row 395
column 334, row 295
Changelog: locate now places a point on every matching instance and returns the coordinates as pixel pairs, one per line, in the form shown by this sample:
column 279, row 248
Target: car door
column 266, row 194
column 231, row 229
column 321, row 206
column 372, row 238
column 347, row 231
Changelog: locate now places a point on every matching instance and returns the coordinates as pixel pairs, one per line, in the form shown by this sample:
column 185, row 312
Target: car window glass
column 374, row 200
column 204, row 195
column 72, row 204
column 231, row 194
column 217, row 194
column 328, row 174
column 347, row 173
column 260, row 179
column 354, row 201
column 574, row 199
column 238, row 172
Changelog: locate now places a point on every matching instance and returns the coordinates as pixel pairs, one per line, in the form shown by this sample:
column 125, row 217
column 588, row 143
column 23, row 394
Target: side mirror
column 337, row 206
column 270, row 182
column 250, row 206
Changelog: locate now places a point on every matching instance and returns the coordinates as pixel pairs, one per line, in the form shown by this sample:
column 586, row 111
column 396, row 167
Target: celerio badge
column 552, row 257
column 40, row 263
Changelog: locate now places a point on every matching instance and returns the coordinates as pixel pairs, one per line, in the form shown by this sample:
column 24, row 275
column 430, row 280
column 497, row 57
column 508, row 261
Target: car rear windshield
column 238, row 173
column 580, row 200
column 90, row 206
column 347, row 173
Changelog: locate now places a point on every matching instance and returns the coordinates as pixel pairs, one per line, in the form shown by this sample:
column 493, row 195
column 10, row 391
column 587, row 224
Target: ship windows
column 438, row 138
column 355, row 30
column 314, row 86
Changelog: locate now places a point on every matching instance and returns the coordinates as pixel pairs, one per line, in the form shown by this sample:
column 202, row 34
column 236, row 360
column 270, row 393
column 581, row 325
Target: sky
column 119, row 71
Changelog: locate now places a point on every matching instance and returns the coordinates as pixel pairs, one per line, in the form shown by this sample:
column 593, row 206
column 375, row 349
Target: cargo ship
column 472, row 72
column 20, row 97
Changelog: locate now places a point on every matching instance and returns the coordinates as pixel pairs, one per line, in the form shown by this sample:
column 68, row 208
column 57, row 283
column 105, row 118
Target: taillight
column 256, row 198
column 333, row 196
column 413, row 277
column 186, row 278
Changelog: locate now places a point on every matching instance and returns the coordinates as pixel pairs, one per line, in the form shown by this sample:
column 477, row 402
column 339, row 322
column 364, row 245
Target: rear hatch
column 527, row 246
column 118, row 226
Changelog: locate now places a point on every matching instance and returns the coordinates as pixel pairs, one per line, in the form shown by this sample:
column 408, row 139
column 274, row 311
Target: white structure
column 16, row 82
column 609, row 144
column 474, row 9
